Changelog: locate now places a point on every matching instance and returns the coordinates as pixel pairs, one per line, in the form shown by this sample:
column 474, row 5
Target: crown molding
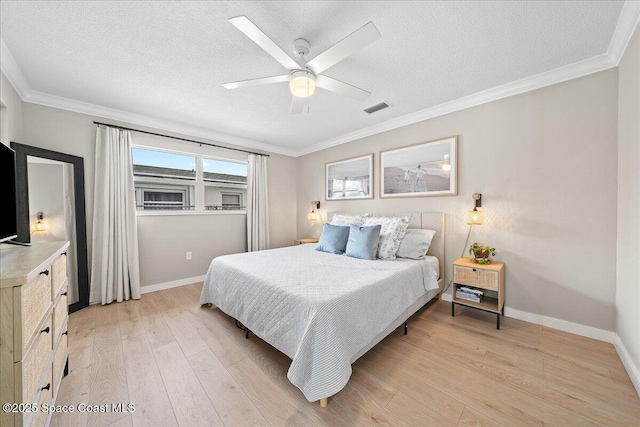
column 36, row 97
column 10, row 69
column 13, row 73
column 627, row 23
column 548, row 78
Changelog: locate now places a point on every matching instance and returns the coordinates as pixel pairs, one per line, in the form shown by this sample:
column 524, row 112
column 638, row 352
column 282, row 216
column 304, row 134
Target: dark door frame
column 24, row 228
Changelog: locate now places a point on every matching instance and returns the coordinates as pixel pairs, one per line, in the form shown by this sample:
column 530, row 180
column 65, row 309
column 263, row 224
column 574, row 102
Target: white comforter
column 317, row 308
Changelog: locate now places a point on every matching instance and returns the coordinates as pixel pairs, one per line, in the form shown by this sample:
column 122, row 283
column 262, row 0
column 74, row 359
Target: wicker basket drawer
column 35, row 299
column 476, row 277
column 34, row 363
column 39, row 418
column 60, row 359
column 60, row 314
column 59, row 274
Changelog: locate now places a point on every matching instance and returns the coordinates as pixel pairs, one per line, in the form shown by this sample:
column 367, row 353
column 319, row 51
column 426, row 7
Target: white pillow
column 342, row 220
column 415, row 244
column 391, row 234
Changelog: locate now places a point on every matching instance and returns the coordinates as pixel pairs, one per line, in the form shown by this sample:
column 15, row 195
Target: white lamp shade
column 475, row 217
column 312, row 216
column 302, row 84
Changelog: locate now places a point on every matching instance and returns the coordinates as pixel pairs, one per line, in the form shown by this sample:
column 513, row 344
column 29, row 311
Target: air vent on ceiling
column 376, row 107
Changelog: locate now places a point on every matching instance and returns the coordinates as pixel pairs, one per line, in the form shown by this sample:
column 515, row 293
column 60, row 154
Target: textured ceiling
column 167, row 60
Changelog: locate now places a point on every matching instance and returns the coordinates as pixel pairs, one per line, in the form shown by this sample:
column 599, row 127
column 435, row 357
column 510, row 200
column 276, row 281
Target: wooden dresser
column 33, row 330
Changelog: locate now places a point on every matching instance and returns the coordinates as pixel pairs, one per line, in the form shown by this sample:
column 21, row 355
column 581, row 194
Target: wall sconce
column 314, row 216
column 39, row 224
column 476, row 217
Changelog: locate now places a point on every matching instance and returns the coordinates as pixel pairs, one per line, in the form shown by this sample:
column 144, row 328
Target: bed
column 325, row 311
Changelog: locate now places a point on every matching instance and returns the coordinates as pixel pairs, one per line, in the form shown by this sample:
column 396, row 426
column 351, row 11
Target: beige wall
column 163, row 240
column 10, row 112
column 628, row 263
column 545, row 163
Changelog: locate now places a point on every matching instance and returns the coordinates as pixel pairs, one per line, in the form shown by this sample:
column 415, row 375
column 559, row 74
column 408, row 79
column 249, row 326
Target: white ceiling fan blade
column 261, row 39
column 256, row 82
column 341, row 88
column 344, row 48
column 298, row 104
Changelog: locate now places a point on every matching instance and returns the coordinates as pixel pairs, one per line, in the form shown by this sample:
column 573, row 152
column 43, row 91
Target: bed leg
column 406, row 327
column 324, row 402
column 208, row 305
column 244, row 328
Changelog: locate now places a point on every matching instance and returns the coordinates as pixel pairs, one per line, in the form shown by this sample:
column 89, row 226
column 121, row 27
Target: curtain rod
column 181, row 139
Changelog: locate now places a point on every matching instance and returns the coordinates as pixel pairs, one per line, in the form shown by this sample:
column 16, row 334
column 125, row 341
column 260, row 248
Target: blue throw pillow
column 363, row 241
column 333, row 239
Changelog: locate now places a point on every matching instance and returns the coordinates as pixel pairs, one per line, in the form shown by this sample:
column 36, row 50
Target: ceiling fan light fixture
column 302, row 84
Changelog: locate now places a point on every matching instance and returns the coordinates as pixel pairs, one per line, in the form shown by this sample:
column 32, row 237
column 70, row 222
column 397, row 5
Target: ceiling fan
column 303, row 79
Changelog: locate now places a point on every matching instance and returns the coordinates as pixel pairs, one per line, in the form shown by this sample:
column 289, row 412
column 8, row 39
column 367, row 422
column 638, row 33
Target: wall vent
column 376, row 107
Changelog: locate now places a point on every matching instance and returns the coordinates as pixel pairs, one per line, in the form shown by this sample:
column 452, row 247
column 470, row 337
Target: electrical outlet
column 189, row 255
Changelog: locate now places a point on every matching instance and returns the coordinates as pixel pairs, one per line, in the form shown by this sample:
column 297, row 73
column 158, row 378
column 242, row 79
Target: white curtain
column 115, row 273
column 257, row 204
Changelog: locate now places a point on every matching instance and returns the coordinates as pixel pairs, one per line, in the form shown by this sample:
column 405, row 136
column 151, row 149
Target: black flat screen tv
column 8, row 219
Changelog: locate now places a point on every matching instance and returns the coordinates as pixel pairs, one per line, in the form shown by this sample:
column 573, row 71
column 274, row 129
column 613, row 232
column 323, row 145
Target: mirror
column 51, row 208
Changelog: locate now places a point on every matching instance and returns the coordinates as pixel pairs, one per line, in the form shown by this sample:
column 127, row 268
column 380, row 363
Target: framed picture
column 350, row 179
column 426, row 169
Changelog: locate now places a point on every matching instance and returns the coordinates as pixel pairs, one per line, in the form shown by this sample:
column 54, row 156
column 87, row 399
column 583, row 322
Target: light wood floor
column 185, row 365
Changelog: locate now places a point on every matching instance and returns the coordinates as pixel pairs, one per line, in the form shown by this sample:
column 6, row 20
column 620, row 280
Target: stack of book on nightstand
column 470, row 294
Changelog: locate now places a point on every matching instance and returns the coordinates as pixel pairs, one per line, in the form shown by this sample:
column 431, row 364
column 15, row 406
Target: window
column 355, row 187
column 163, row 165
column 165, row 198
column 163, row 180
column 225, row 184
column 232, row 201
column 173, row 181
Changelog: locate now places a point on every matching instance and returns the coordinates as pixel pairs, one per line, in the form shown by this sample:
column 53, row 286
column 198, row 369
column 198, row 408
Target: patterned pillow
column 341, row 219
column 392, row 233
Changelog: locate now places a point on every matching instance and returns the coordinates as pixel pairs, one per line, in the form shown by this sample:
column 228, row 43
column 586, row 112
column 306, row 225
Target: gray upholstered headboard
column 425, row 220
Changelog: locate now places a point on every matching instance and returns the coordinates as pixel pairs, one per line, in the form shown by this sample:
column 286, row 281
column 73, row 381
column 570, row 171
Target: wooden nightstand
column 306, row 240
column 489, row 277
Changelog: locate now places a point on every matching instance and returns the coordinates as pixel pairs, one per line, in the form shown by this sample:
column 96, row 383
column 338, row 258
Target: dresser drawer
column 60, row 359
column 31, row 368
column 39, row 419
column 32, row 280
column 485, row 279
column 59, row 274
column 35, row 300
column 60, row 314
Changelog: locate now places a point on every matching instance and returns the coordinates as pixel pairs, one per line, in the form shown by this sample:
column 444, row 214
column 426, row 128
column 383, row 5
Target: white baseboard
column 578, row 329
column 563, row 325
column 629, row 365
column 552, row 322
column 169, row 285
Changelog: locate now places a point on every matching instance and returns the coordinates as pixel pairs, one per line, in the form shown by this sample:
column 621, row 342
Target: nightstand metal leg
column 498, row 321
column 452, row 309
